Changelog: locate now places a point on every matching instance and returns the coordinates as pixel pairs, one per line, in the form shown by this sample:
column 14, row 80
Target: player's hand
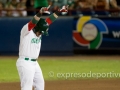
column 64, row 9
column 45, row 10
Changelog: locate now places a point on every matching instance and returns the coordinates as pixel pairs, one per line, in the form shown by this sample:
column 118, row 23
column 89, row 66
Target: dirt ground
column 97, row 84
column 71, row 85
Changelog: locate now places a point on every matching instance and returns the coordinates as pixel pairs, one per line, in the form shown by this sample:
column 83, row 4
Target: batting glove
column 45, row 10
column 63, row 9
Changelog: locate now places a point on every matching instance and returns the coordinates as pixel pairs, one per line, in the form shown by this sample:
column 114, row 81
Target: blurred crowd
column 17, row 8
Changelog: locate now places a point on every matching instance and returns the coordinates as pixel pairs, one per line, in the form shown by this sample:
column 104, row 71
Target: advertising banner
column 96, row 33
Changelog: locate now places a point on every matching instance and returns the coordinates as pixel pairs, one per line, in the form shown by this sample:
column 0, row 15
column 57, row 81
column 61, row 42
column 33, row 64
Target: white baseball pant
column 30, row 74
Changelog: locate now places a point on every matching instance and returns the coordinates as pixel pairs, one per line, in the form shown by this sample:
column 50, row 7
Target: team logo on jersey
column 89, row 32
column 35, row 40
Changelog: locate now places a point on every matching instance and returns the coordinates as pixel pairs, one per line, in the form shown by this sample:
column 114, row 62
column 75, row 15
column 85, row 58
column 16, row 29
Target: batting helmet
column 42, row 26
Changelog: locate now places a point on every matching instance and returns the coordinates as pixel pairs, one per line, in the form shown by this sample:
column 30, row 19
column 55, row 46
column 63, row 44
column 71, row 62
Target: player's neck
column 37, row 34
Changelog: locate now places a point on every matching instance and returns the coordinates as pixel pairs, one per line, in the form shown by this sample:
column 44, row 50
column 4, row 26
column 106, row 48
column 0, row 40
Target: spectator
column 38, row 4
column 69, row 2
column 113, row 4
column 3, row 1
column 21, row 7
column 56, row 4
column 100, row 4
column 65, row 1
column 81, row 7
column 12, row 7
column 30, row 7
column 2, row 12
column 85, row 4
column 74, row 7
column 101, row 7
column 92, row 2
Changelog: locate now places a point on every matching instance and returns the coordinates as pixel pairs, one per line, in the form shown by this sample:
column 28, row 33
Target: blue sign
column 96, row 33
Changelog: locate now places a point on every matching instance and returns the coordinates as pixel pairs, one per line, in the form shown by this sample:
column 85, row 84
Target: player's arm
column 54, row 16
column 34, row 21
column 36, row 18
column 31, row 24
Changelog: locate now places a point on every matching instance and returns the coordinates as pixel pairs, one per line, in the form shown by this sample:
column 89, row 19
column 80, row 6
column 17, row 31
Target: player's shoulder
column 25, row 26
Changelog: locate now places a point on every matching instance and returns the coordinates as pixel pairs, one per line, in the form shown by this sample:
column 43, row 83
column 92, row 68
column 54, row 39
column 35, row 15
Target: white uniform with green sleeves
column 28, row 68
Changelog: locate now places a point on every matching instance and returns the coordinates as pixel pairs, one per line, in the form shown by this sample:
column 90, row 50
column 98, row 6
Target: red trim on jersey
column 31, row 26
column 48, row 20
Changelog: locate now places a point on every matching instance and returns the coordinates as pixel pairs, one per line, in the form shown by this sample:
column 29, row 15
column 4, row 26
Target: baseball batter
column 30, row 43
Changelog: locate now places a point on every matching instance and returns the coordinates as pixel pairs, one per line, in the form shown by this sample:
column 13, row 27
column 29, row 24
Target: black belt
column 30, row 59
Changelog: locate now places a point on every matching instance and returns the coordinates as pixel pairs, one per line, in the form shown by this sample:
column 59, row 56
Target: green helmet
column 42, row 26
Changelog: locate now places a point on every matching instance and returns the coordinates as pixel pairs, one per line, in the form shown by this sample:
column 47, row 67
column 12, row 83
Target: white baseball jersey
column 30, row 44
column 29, row 71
